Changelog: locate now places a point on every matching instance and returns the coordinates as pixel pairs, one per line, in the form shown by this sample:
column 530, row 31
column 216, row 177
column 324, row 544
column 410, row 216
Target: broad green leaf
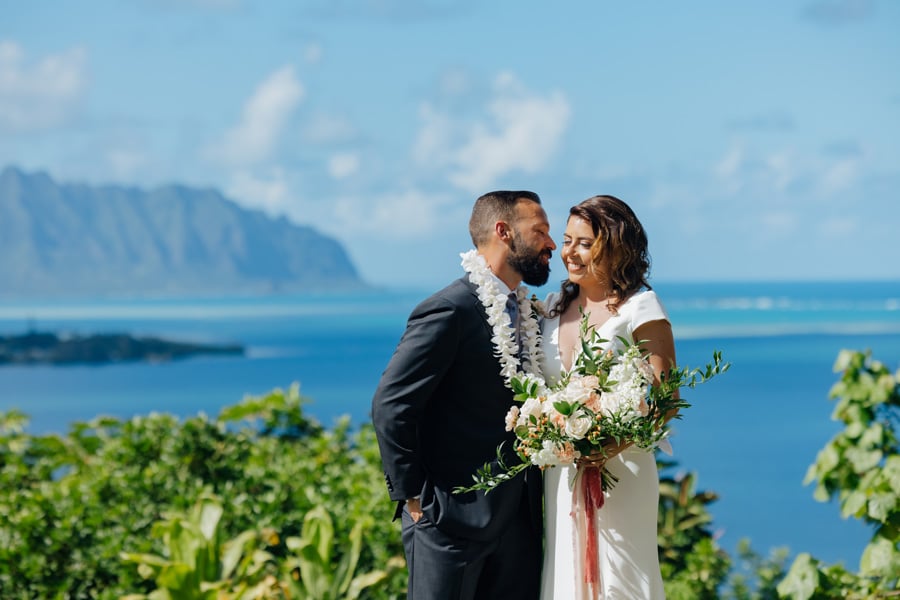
column 564, row 408
column 234, row 549
column 149, row 559
column 878, row 557
column 873, row 437
column 209, row 519
column 175, row 577
column 347, row 567
column 881, row 506
column 362, row 582
column 828, row 459
column 891, row 473
column 854, row 504
column 319, row 531
column 802, row 579
column 863, row 460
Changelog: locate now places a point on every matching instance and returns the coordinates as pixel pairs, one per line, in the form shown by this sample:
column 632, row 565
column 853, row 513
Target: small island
column 54, row 349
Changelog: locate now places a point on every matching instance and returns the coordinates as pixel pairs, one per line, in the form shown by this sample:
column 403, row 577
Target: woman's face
column 576, row 249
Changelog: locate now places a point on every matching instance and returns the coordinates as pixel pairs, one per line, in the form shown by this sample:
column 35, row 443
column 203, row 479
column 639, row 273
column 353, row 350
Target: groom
column 439, row 415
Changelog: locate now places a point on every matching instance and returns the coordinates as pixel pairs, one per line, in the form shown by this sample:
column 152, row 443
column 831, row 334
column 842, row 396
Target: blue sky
column 755, row 140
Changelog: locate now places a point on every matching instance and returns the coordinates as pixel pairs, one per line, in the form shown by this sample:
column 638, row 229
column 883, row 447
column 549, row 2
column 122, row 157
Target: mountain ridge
column 77, row 239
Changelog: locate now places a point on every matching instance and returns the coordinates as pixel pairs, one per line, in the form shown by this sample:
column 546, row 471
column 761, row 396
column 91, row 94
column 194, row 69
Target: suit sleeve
column 420, row 362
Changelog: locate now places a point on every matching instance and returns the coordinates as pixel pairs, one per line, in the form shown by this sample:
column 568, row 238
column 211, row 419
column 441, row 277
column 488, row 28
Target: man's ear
column 503, row 230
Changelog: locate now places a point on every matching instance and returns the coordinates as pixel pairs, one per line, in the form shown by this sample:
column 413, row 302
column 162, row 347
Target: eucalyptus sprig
column 490, row 475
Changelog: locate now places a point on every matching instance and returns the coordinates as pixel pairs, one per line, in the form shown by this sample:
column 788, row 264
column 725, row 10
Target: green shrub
column 70, row 505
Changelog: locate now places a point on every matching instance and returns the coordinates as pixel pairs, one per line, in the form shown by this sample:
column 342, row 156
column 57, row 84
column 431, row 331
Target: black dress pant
column 442, row 567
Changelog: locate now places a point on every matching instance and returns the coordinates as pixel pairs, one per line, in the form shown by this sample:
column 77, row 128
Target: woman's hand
column 598, row 458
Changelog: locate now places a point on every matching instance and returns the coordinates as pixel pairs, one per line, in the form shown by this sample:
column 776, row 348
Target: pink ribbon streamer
column 587, row 499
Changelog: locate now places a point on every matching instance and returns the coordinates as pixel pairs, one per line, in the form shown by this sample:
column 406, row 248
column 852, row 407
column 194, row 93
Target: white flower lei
column 504, row 337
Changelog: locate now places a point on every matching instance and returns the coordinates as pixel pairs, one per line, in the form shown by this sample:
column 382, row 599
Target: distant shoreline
column 45, row 348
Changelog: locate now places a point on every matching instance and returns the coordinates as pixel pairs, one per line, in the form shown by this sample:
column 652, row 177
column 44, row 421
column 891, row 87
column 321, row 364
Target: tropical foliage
column 264, row 502
column 860, row 467
column 693, row 566
column 117, row 507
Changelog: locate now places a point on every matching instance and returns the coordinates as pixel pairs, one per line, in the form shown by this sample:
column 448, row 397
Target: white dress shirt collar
column 501, row 285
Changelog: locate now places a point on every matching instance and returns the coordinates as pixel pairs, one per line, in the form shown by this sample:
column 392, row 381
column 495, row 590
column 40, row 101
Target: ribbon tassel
column 587, row 499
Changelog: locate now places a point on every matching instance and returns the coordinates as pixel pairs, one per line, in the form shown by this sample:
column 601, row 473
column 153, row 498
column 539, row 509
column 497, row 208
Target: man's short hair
column 493, row 207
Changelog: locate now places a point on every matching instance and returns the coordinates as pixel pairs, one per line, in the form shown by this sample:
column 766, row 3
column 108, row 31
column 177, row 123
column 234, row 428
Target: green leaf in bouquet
column 564, row 408
column 490, row 475
column 627, row 344
column 523, row 388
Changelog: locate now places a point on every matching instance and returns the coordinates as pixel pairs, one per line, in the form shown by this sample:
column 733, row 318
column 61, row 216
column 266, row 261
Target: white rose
column 530, row 408
column 577, row 426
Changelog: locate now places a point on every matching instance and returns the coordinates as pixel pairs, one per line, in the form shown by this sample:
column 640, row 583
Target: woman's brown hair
column 620, row 242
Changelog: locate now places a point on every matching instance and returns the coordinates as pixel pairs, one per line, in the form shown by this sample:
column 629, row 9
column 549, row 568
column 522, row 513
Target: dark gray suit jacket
column 439, row 415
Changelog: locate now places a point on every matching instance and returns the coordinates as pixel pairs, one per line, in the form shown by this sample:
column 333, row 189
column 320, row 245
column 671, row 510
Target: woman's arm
column 659, row 346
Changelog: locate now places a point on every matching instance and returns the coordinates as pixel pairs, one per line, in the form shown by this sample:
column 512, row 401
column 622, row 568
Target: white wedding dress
column 628, row 554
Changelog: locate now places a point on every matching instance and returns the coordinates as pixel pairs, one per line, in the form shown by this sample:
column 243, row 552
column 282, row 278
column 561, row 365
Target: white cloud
column 728, row 169
column 844, row 226
column 125, row 162
column 455, row 82
column 328, row 129
column 263, row 121
column 410, row 214
column 769, row 173
column 782, row 170
column 268, row 192
column 341, row 166
column 839, row 176
column 431, row 145
column 779, row 223
column 521, row 131
column 42, row 95
column 774, row 174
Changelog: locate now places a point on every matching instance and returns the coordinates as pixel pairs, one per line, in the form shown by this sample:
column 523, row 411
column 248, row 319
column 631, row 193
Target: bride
column 605, row 253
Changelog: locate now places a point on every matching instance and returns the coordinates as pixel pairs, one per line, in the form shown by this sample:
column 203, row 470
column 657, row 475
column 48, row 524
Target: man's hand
column 414, row 506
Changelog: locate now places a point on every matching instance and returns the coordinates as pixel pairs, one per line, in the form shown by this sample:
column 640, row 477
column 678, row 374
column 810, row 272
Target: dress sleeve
column 551, row 299
column 647, row 307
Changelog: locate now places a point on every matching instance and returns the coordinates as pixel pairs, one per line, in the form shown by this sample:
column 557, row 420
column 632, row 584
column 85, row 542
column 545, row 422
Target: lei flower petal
column 503, row 338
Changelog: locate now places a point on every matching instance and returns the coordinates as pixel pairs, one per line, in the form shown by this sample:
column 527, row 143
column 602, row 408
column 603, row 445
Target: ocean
column 749, row 436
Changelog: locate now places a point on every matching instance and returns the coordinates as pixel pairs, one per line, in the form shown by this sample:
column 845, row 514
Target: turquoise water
column 750, row 435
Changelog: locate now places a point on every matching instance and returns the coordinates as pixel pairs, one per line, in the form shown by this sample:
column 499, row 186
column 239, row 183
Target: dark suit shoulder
column 461, row 293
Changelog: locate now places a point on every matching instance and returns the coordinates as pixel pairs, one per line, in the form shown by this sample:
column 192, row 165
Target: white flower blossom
column 530, row 408
column 512, row 416
column 578, row 425
column 546, row 456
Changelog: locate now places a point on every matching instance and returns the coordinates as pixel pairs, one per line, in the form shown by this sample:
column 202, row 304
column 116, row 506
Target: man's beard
column 527, row 262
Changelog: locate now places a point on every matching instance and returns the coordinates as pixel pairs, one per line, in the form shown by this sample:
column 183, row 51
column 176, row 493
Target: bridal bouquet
column 606, row 398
